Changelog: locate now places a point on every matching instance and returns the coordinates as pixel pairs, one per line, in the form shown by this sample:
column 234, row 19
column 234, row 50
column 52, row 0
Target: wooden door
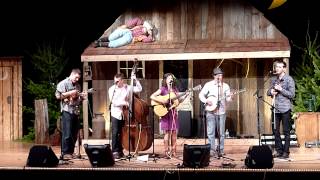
column 6, row 107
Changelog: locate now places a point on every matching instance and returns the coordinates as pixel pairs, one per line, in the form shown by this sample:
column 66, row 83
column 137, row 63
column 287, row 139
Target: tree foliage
column 49, row 62
column 307, row 77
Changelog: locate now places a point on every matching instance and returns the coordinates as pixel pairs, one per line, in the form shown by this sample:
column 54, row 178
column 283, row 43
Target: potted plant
column 307, row 100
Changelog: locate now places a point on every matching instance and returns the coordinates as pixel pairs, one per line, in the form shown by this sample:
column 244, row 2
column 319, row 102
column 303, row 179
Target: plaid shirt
column 137, row 29
column 283, row 100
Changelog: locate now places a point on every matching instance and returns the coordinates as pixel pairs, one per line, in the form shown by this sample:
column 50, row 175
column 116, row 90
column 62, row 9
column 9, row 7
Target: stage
column 303, row 161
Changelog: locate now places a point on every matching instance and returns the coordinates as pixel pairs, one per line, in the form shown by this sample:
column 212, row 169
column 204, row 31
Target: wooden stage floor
column 13, row 156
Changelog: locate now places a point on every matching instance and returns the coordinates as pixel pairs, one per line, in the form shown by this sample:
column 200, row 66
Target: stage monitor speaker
column 196, row 156
column 185, row 129
column 259, row 157
column 99, row 155
column 42, row 156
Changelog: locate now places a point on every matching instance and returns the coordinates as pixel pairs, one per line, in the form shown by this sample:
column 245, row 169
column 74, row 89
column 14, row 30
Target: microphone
column 171, row 81
column 116, row 82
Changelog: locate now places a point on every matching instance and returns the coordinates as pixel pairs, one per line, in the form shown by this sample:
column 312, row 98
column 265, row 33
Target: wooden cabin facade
column 11, row 98
column 193, row 38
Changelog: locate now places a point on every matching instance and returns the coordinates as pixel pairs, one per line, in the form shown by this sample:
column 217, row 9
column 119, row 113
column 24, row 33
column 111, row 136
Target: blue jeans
column 120, row 37
column 216, row 122
column 70, row 128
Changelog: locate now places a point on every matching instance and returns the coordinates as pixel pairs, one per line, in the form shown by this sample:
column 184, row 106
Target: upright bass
column 137, row 132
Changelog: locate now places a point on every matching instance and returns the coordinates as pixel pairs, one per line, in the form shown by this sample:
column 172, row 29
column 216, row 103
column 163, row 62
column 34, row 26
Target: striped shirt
column 283, row 100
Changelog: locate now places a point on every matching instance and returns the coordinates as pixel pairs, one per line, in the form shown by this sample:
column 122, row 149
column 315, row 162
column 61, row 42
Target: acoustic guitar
column 214, row 100
column 162, row 109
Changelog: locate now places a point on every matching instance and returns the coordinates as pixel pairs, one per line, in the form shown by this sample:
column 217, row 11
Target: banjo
column 214, row 100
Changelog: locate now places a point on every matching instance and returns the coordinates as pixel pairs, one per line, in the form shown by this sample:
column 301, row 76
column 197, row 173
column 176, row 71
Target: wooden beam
column 184, row 56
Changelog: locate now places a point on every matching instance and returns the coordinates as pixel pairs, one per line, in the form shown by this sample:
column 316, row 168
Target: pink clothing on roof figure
column 135, row 30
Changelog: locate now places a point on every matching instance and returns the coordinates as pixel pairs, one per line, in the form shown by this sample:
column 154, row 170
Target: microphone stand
column 218, row 125
column 258, row 106
column 169, row 104
column 111, row 126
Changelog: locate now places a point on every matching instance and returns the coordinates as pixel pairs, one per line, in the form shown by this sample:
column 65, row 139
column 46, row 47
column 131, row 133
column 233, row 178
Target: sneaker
column 68, row 156
column 213, row 153
column 285, row 155
column 121, row 155
column 116, row 155
column 277, row 155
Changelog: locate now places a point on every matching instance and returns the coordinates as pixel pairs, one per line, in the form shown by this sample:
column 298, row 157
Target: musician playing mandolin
column 214, row 95
column 282, row 88
column 69, row 92
column 169, row 122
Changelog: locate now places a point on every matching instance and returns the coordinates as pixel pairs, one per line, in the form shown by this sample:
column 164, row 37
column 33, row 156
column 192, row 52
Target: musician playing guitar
column 169, row 122
column 211, row 95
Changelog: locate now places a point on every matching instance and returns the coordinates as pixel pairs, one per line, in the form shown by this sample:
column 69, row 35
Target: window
column 125, row 67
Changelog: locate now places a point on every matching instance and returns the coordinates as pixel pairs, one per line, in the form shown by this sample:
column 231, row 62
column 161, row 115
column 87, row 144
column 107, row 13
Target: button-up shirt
column 120, row 97
column 211, row 89
column 283, row 100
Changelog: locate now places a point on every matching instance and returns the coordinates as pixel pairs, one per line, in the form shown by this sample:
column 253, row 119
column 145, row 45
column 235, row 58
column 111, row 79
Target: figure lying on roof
column 135, row 30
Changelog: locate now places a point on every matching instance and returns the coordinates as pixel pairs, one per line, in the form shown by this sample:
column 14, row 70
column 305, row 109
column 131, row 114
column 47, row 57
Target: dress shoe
column 96, row 43
column 104, row 39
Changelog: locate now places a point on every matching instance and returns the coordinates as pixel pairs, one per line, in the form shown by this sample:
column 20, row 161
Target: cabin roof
column 190, row 49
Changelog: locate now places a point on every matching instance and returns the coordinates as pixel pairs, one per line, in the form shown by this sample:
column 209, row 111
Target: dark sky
column 26, row 24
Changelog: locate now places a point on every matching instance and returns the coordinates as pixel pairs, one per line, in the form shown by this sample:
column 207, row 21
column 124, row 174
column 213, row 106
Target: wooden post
column 41, row 124
column 85, row 109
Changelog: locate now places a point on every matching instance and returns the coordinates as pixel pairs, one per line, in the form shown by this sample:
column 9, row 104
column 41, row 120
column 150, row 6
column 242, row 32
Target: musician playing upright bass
column 211, row 95
column 169, row 122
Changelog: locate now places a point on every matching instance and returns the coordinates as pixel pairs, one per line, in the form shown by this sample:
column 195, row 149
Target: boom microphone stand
column 218, row 126
column 258, row 106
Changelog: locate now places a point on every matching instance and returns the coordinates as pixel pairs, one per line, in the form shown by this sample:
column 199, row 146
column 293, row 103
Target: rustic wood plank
column 7, row 103
column 170, row 25
column 19, row 87
column 211, row 20
column 204, row 19
column 41, row 123
column 219, row 19
column 2, row 98
column 197, row 15
column 190, row 20
column 183, row 22
column 163, row 26
column 176, row 21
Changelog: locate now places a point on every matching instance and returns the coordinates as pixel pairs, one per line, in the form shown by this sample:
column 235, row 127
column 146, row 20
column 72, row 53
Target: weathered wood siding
column 11, row 98
column 208, row 19
column 221, row 20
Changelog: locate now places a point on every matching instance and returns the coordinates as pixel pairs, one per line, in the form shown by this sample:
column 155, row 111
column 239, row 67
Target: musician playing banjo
column 214, row 95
